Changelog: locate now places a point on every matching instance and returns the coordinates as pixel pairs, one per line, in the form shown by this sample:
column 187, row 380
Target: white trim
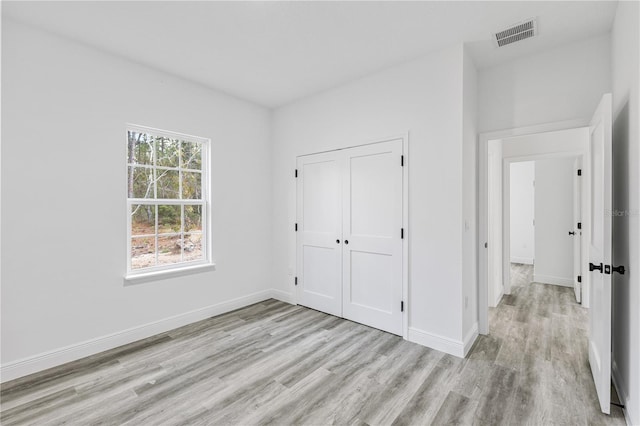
column 498, row 298
column 439, row 343
column 283, row 296
column 22, row 367
column 405, row 241
column 470, row 338
column 167, row 133
column 404, row 136
column 619, row 384
column 168, row 273
column 523, row 260
column 550, row 279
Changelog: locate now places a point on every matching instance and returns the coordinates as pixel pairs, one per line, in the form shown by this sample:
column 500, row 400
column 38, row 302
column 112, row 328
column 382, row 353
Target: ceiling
column 273, row 53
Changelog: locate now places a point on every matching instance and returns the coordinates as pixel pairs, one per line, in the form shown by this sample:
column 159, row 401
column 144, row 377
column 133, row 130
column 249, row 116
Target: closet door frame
column 406, row 296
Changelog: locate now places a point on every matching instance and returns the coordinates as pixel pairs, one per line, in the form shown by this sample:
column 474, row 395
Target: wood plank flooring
column 274, row 363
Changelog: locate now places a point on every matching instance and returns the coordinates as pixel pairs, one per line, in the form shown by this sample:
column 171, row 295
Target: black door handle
column 346, row 241
column 619, row 269
column 593, row 267
column 572, row 233
column 337, row 241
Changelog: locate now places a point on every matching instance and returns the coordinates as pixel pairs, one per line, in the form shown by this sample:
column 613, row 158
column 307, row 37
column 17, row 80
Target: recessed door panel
column 320, row 203
column 372, row 281
column 318, row 273
column 371, row 191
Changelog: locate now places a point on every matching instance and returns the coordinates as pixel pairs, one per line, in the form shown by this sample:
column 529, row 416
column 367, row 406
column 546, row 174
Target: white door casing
column 600, row 252
column 319, row 260
column 372, row 222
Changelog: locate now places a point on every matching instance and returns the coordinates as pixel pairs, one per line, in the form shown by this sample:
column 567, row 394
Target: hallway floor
column 540, row 332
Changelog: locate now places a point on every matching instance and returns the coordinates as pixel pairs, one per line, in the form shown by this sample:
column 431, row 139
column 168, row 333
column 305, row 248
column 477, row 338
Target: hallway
column 540, row 332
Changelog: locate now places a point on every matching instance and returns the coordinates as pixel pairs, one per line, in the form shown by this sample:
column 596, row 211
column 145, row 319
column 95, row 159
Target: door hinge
column 295, row 174
column 579, row 172
column 295, row 281
column 579, row 278
column 402, row 306
column 402, row 161
column 296, row 227
column 579, row 225
column 402, row 233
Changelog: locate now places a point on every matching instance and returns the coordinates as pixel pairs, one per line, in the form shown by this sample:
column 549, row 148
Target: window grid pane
column 166, row 202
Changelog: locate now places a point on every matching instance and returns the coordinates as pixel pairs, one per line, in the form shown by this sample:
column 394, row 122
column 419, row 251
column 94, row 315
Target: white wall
column 469, row 198
column 626, row 202
column 554, row 220
column 425, row 99
column 64, row 109
column 562, row 143
column 522, row 208
column 555, row 85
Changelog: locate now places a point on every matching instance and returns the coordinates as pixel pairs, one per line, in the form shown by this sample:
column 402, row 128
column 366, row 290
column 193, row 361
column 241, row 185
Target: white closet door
column 372, row 247
column 319, row 240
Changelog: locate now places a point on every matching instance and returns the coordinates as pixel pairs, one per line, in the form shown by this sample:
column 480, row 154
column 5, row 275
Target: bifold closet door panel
column 371, row 229
column 319, row 239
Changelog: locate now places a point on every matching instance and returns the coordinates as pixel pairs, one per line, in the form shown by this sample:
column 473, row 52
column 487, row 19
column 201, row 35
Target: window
column 167, row 201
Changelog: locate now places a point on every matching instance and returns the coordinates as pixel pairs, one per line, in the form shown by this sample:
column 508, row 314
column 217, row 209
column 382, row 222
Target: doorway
column 500, row 149
column 594, row 151
column 544, row 218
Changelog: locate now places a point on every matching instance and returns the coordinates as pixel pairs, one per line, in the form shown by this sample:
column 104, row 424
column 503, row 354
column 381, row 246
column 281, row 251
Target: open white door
column 577, row 230
column 319, row 245
column 600, row 252
column 372, row 251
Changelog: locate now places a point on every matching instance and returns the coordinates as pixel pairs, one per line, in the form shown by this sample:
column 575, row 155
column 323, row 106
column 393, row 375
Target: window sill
column 171, row 273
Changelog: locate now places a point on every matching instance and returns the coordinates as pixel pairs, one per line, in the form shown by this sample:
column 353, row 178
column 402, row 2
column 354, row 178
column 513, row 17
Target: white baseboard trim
column 439, row 343
column 549, row 279
column 620, row 385
column 523, row 260
column 33, row 364
column 470, row 338
column 282, row 296
column 498, row 299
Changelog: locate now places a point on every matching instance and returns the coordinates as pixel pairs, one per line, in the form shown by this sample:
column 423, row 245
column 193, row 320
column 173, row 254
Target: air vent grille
column 517, row 32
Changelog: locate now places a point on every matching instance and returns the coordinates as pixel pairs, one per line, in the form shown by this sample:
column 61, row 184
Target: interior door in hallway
column 372, row 232
column 600, row 252
column 319, row 239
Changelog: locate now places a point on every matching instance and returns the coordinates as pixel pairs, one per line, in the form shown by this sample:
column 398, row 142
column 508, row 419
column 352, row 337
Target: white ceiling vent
column 517, row 32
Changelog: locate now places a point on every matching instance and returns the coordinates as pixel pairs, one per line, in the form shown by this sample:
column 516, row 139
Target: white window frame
column 183, row 267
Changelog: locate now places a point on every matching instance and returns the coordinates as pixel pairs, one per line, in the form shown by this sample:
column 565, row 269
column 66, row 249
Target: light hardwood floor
column 274, row 363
